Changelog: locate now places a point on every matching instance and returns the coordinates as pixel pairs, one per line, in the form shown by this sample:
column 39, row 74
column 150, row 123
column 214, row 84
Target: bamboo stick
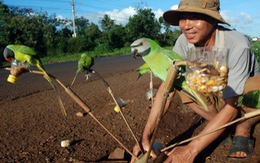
column 246, row 116
column 120, row 110
column 171, row 76
column 80, row 102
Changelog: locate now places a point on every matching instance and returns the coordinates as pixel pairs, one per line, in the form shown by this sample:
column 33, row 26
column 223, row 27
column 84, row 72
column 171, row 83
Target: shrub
column 102, row 49
column 256, row 50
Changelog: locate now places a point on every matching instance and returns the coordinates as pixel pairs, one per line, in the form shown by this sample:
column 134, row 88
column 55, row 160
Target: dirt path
column 32, row 126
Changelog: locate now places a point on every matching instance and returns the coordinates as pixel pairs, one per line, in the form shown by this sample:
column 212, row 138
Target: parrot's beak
column 8, row 59
column 135, row 53
column 134, row 48
column 8, row 54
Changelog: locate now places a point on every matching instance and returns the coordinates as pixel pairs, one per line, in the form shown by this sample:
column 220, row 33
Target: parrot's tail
column 74, row 79
column 250, row 99
column 48, row 78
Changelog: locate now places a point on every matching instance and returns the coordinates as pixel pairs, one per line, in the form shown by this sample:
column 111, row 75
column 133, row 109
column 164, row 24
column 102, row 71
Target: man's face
column 197, row 28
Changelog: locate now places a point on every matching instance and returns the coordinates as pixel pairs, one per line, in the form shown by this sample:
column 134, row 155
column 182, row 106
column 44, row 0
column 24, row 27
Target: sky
column 244, row 16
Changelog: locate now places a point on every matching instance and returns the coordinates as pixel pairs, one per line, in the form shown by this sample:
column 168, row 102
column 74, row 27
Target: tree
column 26, row 30
column 92, row 34
column 256, row 50
column 81, row 23
column 51, row 35
column 107, row 23
column 62, row 39
column 143, row 24
column 117, row 36
column 76, row 44
column 166, row 28
column 4, row 16
column 173, row 36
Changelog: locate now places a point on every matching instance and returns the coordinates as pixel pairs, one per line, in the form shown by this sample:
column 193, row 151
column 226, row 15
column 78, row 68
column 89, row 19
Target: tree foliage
column 143, row 24
column 256, row 50
column 107, row 23
column 51, row 35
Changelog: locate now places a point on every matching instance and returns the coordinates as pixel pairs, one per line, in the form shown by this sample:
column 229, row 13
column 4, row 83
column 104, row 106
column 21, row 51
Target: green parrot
column 153, row 55
column 158, row 60
column 250, row 99
column 84, row 63
column 25, row 54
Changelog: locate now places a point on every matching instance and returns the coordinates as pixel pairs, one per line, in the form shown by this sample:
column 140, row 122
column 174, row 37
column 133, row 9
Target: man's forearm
column 227, row 114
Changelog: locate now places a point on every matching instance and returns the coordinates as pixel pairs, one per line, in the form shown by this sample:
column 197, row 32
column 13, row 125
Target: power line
column 81, row 6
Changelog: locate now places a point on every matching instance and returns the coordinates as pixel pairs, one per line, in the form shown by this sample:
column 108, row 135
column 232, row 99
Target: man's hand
column 136, row 149
column 181, row 154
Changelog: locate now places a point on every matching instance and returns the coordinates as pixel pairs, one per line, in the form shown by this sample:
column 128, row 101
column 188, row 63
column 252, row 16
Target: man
column 199, row 21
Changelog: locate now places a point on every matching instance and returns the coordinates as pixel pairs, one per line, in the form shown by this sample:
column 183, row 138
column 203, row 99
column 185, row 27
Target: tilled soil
column 32, row 126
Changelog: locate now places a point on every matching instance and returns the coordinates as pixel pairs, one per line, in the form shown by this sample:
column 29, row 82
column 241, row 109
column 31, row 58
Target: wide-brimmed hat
column 206, row 7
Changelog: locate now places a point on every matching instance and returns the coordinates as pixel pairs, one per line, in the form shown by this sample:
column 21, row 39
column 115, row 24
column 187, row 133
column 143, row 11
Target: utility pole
column 73, row 19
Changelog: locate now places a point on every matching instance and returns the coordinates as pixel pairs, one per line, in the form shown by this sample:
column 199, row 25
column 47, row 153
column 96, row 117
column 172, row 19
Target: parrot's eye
column 140, row 44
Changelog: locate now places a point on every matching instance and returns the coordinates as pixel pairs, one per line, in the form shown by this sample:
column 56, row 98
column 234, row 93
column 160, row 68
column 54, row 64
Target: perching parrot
column 25, row 54
column 250, row 99
column 84, row 63
column 159, row 59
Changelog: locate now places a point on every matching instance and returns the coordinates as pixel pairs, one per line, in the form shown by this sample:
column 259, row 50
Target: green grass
column 60, row 58
column 75, row 57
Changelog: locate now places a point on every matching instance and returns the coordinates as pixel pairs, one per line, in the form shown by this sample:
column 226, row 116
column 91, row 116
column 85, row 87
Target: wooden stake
column 171, row 76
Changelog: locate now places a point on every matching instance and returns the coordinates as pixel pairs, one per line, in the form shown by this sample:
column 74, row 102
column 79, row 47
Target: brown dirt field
column 32, row 126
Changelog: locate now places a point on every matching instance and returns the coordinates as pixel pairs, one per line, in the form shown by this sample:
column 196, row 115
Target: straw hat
column 206, row 7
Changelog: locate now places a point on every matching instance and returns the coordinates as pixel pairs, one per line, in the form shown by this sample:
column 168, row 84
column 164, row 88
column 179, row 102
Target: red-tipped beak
column 8, row 59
